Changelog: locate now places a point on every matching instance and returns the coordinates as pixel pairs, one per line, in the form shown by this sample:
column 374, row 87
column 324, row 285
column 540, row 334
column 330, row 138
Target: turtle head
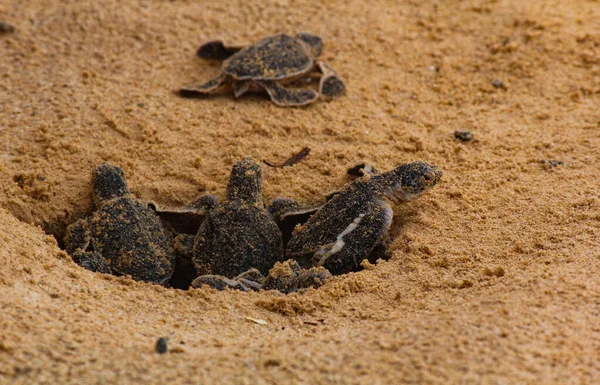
column 245, row 182
column 109, row 183
column 313, row 41
column 408, row 181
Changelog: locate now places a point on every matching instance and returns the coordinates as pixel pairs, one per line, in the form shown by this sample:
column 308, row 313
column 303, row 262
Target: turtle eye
column 429, row 177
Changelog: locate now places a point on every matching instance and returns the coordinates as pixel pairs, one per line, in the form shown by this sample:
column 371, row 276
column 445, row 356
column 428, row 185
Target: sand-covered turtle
column 238, row 242
column 270, row 64
column 354, row 221
column 123, row 236
column 238, row 234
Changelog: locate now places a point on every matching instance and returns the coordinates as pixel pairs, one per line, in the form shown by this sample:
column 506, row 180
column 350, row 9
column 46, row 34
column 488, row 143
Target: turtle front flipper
column 288, row 97
column 91, row 261
column 252, row 279
column 218, row 282
column 203, row 204
column 357, row 241
column 288, row 214
column 216, row 50
column 78, row 236
column 331, row 85
column 282, row 208
column 78, row 243
column 206, row 88
column 186, row 219
column 361, row 170
column 289, row 276
column 199, row 207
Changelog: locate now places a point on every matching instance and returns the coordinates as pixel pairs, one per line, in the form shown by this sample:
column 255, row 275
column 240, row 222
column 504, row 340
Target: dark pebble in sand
column 552, row 162
column 464, row 136
column 161, row 345
column 498, row 84
column 6, row 28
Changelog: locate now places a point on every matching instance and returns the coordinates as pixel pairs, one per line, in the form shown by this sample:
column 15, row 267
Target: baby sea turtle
column 268, row 65
column 238, row 242
column 123, row 236
column 353, row 222
column 238, row 234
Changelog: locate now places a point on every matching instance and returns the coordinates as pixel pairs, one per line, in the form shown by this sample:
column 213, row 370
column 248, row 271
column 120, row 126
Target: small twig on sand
column 292, row 160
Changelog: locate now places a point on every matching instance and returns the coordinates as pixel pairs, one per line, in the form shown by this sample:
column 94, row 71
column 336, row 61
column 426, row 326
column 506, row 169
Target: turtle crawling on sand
column 123, row 236
column 269, row 64
column 354, row 221
column 238, row 242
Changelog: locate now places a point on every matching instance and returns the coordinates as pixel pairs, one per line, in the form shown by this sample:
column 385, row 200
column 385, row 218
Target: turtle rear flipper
column 216, row 50
column 288, row 97
column 331, row 85
column 206, row 88
column 240, row 88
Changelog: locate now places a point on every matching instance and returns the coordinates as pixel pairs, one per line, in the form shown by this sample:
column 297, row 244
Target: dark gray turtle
column 238, row 234
column 123, row 236
column 268, row 65
column 354, row 221
column 289, row 213
column 238, row 242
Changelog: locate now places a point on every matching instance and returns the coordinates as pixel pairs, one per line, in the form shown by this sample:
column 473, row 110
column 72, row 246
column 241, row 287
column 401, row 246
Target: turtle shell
column 273, row 58
column 131, row 238
column 236, row 237
column 332, row 219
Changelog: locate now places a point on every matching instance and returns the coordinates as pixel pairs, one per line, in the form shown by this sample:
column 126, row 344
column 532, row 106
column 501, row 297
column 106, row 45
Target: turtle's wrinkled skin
column 268, row 65
column 344, row 232
column 123, row 236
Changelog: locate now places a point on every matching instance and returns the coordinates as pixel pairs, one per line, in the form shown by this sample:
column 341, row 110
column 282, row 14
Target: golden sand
column 494, row 277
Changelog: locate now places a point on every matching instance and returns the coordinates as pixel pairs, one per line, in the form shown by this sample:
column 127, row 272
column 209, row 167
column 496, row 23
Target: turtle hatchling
column 270, row 64
column 239, row 243
column 123, row 236
column 354, row 221
column 238, row 234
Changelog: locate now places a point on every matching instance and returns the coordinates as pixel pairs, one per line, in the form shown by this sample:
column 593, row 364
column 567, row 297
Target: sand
column 494, row 274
